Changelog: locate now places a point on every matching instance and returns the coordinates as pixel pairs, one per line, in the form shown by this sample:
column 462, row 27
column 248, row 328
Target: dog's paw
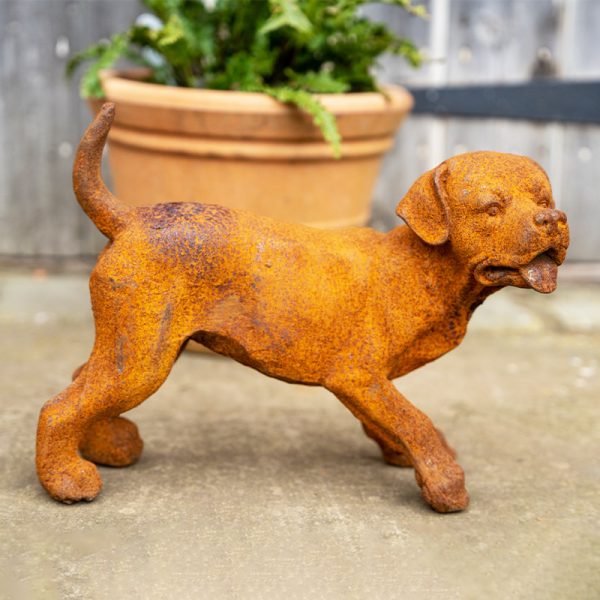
column 113, row 441
column 444, row 489
column 72, row 482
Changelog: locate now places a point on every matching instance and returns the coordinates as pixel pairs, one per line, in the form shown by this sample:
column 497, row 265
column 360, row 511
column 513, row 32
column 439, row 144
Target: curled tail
column 108, row 214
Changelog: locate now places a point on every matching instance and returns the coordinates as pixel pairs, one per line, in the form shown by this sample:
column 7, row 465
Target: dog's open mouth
column 540, row 273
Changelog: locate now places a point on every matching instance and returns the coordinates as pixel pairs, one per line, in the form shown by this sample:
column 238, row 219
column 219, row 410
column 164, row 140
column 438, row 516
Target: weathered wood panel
column 393, row 69
column 580, row 31
column 580, row 190
column 411, row 157
column 500, row 40
column 505, row 41
column 41, row 120
column 580, row 157
column 41, row 116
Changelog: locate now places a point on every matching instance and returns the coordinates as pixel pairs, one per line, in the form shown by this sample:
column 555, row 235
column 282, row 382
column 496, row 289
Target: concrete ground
column 252, row 488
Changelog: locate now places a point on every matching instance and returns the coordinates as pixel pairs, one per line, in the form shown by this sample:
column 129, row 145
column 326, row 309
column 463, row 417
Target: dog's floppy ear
column 425, row 209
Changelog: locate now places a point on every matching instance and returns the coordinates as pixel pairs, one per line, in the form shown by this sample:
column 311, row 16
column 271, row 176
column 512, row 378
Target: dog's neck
column 443, row 271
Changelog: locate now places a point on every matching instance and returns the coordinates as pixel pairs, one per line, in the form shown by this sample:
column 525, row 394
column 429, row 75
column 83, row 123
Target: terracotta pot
column 246, row 150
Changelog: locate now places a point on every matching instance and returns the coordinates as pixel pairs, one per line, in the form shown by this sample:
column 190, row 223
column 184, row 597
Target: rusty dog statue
column 348, row 310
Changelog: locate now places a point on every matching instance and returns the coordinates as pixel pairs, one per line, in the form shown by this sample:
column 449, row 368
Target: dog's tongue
column 541, row 274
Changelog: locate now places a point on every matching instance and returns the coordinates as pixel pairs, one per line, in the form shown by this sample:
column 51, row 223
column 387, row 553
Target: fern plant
column 288, row 49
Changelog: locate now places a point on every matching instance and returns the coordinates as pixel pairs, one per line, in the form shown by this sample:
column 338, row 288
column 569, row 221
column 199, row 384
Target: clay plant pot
column 246, row 150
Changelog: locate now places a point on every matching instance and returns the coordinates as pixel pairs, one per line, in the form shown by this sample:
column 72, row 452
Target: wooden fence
column 468, row 41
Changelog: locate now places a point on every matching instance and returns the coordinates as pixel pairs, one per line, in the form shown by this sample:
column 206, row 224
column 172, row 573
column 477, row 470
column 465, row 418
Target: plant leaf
column 308, row 103
column 107, row 56
column 286, row 13
column 164, row 9
column 319, row 83
column 408, row 50
column 93, row 52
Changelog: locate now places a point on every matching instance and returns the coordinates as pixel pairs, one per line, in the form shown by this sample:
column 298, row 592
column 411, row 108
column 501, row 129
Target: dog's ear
column 425, row 207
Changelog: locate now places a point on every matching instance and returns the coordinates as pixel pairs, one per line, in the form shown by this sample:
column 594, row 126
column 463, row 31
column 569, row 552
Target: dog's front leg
column 399, row 459
column 405, row 429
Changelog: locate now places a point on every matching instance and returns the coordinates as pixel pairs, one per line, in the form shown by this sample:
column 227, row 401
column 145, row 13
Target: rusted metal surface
column 346, row 309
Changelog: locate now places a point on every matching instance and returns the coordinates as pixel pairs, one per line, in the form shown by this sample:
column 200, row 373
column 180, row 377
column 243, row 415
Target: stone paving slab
column 253, row 488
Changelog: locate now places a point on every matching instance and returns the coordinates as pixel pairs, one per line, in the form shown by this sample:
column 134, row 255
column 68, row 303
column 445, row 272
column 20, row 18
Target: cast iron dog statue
column 348, row 310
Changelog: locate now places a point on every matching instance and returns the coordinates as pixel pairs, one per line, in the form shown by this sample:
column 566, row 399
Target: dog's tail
column 108, row 214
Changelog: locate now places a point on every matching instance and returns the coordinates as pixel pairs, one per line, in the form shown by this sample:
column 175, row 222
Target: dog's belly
column 261, row 359
column 291, row 362
column 282, row 340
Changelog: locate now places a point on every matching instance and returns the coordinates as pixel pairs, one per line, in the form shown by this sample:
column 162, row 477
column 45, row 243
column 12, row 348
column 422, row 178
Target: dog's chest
column 428, row 343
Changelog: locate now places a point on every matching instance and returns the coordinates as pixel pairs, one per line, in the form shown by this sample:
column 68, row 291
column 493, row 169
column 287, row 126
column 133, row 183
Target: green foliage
column 286, row 13
column 289, row 49
column 104, row 54
column 305, row 101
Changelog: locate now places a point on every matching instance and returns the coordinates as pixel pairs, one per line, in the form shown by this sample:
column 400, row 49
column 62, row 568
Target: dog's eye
column 544, row 203
column 493, row 210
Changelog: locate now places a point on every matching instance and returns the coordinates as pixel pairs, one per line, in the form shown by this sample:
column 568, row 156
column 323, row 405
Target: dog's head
column 497, row 213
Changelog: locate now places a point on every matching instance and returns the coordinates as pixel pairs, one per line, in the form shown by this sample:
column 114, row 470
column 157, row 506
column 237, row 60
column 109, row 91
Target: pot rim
column 124, row 85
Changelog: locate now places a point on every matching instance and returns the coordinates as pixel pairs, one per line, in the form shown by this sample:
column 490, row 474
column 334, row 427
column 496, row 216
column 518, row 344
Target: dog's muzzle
column 539, row 273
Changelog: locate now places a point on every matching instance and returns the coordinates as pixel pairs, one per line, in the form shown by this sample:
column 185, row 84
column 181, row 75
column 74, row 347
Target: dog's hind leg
column 131, row 359
column 399, row 457
column 111, row 441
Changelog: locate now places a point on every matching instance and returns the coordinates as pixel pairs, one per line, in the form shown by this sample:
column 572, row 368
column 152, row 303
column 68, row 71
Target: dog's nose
column 550, row 216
